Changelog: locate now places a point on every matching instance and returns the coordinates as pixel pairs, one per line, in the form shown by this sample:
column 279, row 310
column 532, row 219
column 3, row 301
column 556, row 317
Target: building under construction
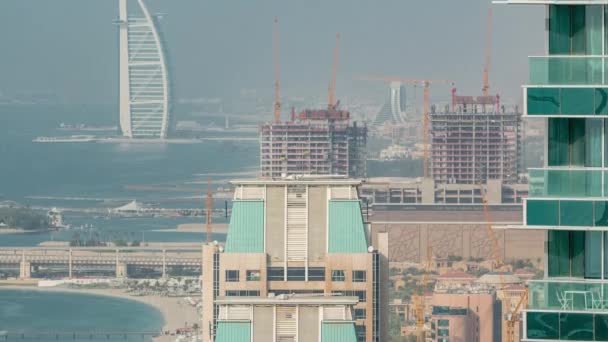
column 474, row 141
column 317, row 142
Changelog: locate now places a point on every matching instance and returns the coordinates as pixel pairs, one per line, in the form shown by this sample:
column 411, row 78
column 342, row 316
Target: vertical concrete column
column 164, row 263
column 70, row 263
column 25, row 267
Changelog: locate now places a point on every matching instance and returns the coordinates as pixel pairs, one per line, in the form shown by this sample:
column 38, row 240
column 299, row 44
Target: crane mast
column 277, row 103
column 486, row 69
column 332, row 85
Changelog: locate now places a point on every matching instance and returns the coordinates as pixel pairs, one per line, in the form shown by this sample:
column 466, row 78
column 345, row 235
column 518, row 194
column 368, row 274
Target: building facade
column 475, row 141
column 471, row 316
column 143, row 77
column 568, row 89
column 318, row 143
column 296, row 239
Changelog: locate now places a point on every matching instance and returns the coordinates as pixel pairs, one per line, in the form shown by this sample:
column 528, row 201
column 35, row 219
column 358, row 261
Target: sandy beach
column 175, row 310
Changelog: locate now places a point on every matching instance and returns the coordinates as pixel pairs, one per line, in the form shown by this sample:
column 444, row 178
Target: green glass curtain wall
column 575, row 142
column 246, row 231
column 566, row 326
column 576, row 254
column 575, row 29
column 346, row 228
column 593, row 255
column 233, row 331
column 547, row 212
column 568, row 101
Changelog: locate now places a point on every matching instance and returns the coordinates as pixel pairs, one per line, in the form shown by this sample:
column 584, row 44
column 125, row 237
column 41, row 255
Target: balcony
column 566, row 182
column 567, row 70
column 571, row 295
column 566, row 213
column 567, row 310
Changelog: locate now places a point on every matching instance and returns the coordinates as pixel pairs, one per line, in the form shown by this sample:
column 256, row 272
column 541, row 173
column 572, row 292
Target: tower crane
column 426, row 84
column 512, row 317
column 419, row 300
column 277, row 103
column 486, row 69
column 332, row 85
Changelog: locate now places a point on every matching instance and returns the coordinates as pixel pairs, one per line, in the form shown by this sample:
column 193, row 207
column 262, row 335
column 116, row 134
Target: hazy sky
column 217, row 48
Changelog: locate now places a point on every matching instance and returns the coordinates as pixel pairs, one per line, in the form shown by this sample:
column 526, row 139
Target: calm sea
column 33, row 312
column 106, row 175
column 99, row 175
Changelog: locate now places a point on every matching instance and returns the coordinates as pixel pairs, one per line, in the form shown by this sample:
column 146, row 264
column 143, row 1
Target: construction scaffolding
column 474, row 141
column 319, row 142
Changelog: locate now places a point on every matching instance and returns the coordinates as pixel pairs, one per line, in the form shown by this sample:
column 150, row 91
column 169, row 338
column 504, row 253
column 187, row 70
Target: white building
column 144, row 88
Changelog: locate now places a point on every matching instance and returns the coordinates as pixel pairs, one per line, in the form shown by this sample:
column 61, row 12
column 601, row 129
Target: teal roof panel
column 338, row 331
column 346, row 229
column 237, row 331
column 246, row 230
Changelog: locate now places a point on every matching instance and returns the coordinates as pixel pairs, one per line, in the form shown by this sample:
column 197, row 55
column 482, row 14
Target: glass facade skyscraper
column 568, row 197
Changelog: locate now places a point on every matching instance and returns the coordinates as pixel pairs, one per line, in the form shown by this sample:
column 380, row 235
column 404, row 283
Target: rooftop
column 299, row 179
column 290, row 299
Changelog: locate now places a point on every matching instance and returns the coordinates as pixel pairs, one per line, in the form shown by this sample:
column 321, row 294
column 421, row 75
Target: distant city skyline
column 219, row 49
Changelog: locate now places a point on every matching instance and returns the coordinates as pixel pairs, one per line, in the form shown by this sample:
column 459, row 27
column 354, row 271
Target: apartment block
column 474, row 141
column 299, row 264
column 317, row 143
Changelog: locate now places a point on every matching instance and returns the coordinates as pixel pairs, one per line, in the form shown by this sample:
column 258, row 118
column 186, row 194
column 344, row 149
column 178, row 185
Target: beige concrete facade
column 459, row 230
column 279, row 270
column 473, row 317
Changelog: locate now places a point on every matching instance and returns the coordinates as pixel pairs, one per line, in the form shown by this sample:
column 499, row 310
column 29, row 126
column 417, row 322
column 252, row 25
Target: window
column 443, row 332
column 359, row 314
column 337, row 275
column 359, row 276
column 242, row 293
column 575, row 141
column 296, row 274
column 232, row 276
column 360, row 330
column 575, row 30
column 575, row 254
column 275, row 274
column 253, row 275
column 576, row 326
column 443, row 322
column 360, row 294
column 566, row 253
column 316, row 273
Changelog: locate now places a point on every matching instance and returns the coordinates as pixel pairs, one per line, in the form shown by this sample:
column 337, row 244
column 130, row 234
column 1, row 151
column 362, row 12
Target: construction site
column 316, row 141
column 474, row 141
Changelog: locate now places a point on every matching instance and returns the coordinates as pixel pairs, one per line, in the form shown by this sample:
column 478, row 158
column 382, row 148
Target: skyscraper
column 568, row 89
column 144, row 82
column 393, row 112
column 299, row 264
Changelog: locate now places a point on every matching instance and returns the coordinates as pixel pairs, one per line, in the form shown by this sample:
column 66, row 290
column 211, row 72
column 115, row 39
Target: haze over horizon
column 69, row 47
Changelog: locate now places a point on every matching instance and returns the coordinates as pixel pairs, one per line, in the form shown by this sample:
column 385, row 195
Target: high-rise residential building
column 568, row 89
column 393, row 111
column 319, row 142
column 299, row 264
column 474, row 141
column 144, row 97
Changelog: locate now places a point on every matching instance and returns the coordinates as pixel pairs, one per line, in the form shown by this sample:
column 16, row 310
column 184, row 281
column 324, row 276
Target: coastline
column 175, row 310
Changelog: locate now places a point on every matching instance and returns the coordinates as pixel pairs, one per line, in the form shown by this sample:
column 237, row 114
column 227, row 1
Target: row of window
column 567, row 101
column 297, row 274
column 566, row 213
column 577, row 254
column 567, row 326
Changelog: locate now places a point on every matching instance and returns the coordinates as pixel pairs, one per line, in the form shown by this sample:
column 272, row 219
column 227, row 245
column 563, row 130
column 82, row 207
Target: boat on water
column 71, row 138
